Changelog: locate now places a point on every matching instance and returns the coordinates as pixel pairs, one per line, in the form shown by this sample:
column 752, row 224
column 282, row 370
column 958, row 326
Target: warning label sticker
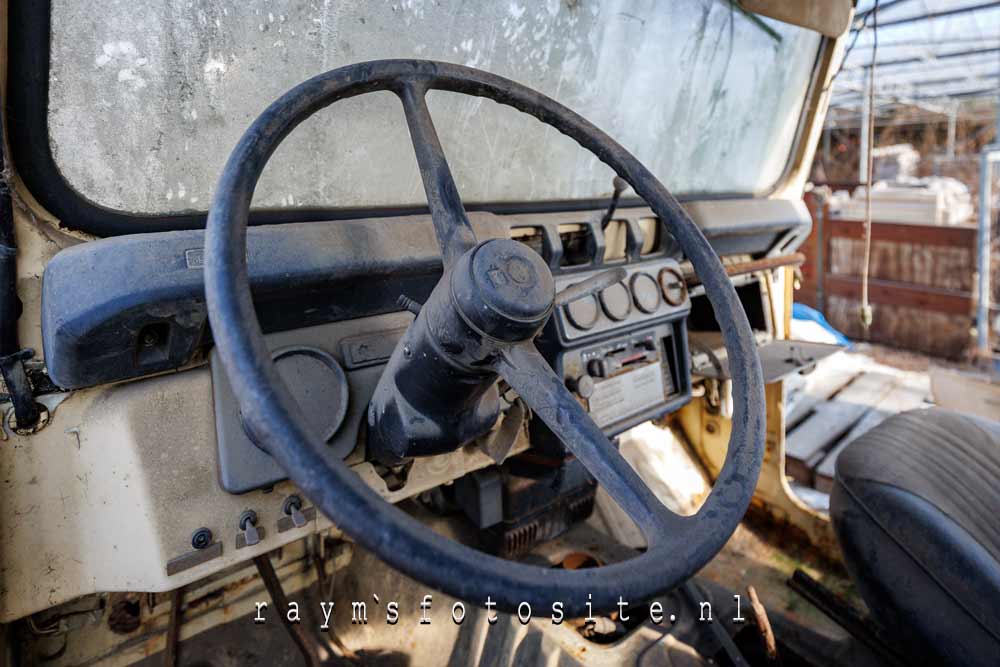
column 619, row 397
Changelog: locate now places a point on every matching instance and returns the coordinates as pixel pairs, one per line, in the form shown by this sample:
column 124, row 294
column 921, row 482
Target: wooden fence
column 921, row 284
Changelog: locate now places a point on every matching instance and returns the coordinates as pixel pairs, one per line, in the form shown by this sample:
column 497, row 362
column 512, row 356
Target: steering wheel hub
column 504, row 290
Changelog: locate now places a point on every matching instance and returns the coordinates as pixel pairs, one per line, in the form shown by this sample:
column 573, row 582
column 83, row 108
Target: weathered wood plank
column 962, row 236
column 923, row 297
column 821, row 384
column 804, row 407
column 867, row 389
column 922, row 283
column 807, row 444
column 937, row 334
column 901, row 398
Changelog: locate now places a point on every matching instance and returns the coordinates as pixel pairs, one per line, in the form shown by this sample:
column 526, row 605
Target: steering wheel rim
column 394, row 536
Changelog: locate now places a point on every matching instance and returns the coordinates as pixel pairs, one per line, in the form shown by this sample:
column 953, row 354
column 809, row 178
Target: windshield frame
column 33, row 160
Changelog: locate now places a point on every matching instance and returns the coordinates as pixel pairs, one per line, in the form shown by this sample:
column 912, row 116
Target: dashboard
column 328, row 299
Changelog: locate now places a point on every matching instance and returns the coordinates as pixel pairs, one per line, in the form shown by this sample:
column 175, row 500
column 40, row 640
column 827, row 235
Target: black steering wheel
column 500, row 313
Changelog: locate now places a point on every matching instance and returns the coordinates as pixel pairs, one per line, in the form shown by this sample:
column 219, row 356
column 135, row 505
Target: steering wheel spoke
column 527, row 372
column 454, row 233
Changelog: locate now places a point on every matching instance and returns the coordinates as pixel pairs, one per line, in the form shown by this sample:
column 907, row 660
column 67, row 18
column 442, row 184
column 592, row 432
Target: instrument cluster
column 651, row 290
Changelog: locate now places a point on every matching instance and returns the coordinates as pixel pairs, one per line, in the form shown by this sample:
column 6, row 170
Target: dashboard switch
column 249, row 534
column 582, row 386
column 293, row 508
column 596, row 368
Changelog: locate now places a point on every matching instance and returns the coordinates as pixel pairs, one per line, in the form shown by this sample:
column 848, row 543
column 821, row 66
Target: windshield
column 148, row 97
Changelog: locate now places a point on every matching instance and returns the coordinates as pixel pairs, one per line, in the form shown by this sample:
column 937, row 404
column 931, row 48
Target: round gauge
column 616, row 301
column 583, row 312
column 673, row 286
column 645, row 292
column 317, row 383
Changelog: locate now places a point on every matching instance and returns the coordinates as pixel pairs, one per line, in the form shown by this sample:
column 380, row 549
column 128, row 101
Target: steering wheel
column 501, row 313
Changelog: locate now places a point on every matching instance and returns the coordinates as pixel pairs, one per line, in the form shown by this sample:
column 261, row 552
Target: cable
column 12, row 357
column 866, row 308
column 850, row 47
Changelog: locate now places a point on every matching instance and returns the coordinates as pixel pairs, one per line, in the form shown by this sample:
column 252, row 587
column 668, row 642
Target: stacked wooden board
column 844, row 397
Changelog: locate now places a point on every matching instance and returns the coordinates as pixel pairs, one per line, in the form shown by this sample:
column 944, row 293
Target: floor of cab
column 686, row 642
column 756, row 555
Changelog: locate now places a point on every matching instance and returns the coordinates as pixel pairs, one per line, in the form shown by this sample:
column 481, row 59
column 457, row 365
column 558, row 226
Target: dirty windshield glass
column 148, row 97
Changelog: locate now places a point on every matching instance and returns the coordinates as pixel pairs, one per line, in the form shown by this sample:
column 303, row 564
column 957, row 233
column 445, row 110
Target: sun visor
column 827, row 17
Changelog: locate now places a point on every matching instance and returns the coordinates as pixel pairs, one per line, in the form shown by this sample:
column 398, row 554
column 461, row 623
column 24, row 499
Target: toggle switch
column 249, row 534
column 295, row 516
column 293, row 508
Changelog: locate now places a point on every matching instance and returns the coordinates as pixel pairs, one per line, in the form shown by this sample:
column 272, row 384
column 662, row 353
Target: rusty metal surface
column 172, row 639
column 124, row 612
column 306, row 643
column 765, row 264
column 753, row 266
column 774, row 501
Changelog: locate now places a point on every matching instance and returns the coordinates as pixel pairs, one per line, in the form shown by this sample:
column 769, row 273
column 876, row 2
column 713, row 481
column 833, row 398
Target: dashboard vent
column 533, row 237
column 651, row 238
column 577, row 244
column 616, row 240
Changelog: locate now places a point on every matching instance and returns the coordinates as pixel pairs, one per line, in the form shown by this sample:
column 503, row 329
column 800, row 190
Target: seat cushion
column 916, row 507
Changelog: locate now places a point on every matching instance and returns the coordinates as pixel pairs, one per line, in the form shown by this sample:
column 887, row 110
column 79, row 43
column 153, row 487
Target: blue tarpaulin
column 803, row 312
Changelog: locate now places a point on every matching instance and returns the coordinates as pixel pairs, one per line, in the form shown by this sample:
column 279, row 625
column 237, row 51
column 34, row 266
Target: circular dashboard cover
column 318, row 384
column 645, row 292
column 616, row 301
column 583, row 312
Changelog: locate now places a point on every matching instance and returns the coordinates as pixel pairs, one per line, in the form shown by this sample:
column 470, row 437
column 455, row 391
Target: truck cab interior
column 359, row 303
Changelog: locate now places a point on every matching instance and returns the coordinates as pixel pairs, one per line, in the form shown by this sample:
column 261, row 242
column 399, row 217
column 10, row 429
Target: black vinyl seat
column 916, row 507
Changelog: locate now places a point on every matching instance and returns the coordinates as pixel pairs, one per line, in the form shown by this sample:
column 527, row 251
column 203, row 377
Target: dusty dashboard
column 146, row 468
column 327, row 295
